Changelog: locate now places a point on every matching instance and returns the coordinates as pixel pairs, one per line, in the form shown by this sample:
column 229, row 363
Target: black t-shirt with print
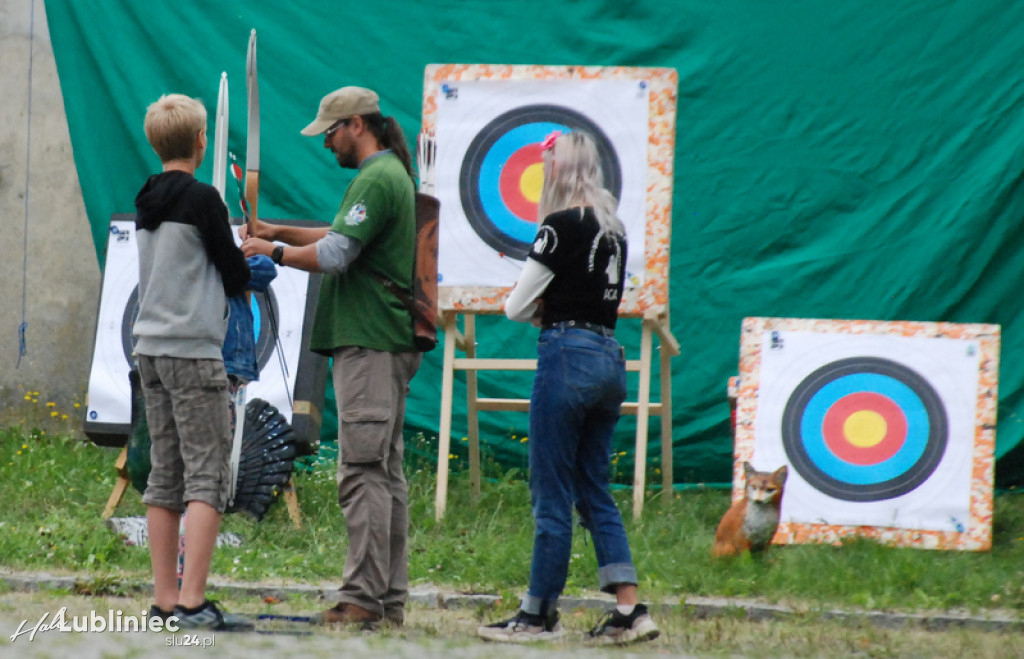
column 589, row 268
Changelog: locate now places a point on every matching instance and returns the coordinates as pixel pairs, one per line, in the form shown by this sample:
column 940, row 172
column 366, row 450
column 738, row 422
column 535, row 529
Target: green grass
column 54, row 488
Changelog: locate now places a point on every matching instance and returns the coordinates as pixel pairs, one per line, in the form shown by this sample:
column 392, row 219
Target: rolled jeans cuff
column 535, row 605
column 614, row 574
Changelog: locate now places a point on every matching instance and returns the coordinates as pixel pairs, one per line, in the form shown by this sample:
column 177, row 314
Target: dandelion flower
column 51, row 404
column 523, row 440
column 28, row 396
column 77, row 405
column 54, row 413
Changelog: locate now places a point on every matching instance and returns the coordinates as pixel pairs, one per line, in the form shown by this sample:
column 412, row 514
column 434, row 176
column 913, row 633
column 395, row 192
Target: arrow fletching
column 236, row 172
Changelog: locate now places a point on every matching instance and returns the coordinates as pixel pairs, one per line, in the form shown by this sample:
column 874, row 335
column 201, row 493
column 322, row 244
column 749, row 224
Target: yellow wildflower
column 51, row 404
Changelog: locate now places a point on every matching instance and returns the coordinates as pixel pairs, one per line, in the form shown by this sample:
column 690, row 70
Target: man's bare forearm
column 292, row 235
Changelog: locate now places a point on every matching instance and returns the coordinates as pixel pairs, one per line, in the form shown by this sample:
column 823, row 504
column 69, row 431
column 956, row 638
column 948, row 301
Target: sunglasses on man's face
column 338, row 124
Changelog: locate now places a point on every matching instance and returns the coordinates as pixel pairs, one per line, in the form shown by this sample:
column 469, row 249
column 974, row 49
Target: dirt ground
column 429, row 632
column 450, row 633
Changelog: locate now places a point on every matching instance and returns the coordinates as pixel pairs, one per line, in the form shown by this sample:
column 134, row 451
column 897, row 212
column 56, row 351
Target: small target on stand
column 261, row 314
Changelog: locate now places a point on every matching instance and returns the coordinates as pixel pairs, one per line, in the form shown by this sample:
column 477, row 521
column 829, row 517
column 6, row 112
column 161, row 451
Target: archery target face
column 877, row 430
column 109, row 392
column 490, row 173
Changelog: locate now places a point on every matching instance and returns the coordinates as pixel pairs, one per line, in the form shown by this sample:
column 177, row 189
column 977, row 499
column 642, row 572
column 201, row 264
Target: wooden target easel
column 647, row 301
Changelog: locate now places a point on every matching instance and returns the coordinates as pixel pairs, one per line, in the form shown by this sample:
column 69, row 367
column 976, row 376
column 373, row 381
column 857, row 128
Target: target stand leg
column 123, row 481
column 668, row 348
column 292, row 501
column 472, row 416
column 642, row 417
column 450, row 327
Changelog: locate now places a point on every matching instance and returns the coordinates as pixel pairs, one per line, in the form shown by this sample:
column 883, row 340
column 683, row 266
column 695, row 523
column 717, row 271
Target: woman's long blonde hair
column 572, row 177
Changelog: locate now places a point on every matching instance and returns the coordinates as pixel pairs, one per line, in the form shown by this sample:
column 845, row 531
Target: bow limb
column 252, row 156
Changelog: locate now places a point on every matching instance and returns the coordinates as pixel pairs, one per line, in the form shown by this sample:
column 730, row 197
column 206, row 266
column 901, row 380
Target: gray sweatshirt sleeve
column 335, row 252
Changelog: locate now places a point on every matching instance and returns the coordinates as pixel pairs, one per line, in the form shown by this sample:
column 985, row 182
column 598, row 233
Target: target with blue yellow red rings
column 502, row 173
column 488, row 168
column 864, row 429
column 888, row 427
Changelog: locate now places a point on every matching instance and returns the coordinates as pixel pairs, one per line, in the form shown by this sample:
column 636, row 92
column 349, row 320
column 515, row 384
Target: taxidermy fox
column 750, row 523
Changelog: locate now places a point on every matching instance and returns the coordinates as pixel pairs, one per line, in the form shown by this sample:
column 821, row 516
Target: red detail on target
column 510, row 183
column 834, row 431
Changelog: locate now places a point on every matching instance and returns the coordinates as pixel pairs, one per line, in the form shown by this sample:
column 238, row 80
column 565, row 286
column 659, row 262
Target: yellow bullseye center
column 864, row 428
column 531, row 182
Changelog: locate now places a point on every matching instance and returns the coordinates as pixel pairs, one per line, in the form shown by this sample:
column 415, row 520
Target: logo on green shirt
column 356, row 215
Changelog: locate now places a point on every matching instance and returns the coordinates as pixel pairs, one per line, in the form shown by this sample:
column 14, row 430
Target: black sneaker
column 209, row 616
column 156, row 613
column 523, row 628
column 617, row 629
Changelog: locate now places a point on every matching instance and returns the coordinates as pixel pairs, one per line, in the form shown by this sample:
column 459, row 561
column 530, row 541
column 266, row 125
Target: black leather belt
column 580, row 324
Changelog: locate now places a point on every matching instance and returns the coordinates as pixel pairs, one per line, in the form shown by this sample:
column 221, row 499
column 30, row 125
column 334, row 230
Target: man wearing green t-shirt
column 367, row 331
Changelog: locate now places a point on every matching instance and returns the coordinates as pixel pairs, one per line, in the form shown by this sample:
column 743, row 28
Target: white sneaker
column 617, row 629
column 523, row 628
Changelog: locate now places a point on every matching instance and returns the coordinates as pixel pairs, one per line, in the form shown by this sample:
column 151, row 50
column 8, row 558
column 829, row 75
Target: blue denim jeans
column 577, row 394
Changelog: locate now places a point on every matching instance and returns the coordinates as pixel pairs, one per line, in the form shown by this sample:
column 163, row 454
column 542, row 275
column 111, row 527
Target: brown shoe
column 346, row 614
column 395, row 616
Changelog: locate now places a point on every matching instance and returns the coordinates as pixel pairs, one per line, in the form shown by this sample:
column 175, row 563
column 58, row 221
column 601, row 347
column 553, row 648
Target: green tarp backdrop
column 833, row 160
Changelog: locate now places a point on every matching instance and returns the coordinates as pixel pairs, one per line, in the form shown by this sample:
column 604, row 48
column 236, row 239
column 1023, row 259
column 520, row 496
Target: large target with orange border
column 502, row 173
column 487, row 123
column 888, row 427
column 864, row 429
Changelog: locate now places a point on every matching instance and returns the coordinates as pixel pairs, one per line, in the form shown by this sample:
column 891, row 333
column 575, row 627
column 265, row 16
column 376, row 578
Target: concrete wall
column 50, row 275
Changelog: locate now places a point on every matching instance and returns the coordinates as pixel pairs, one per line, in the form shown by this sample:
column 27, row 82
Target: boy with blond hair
column 188, row 266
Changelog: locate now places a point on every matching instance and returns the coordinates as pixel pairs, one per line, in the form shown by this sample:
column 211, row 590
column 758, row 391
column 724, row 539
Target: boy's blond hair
column 172, row 124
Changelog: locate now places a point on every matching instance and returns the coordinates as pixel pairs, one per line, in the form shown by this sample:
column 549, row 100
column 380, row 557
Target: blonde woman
column 571, row 287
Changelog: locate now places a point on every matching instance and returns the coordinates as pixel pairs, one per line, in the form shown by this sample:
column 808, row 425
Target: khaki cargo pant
column 371, row 387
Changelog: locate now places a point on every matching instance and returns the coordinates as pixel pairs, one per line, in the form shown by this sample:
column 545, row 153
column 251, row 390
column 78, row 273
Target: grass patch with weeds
column 55, row 487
